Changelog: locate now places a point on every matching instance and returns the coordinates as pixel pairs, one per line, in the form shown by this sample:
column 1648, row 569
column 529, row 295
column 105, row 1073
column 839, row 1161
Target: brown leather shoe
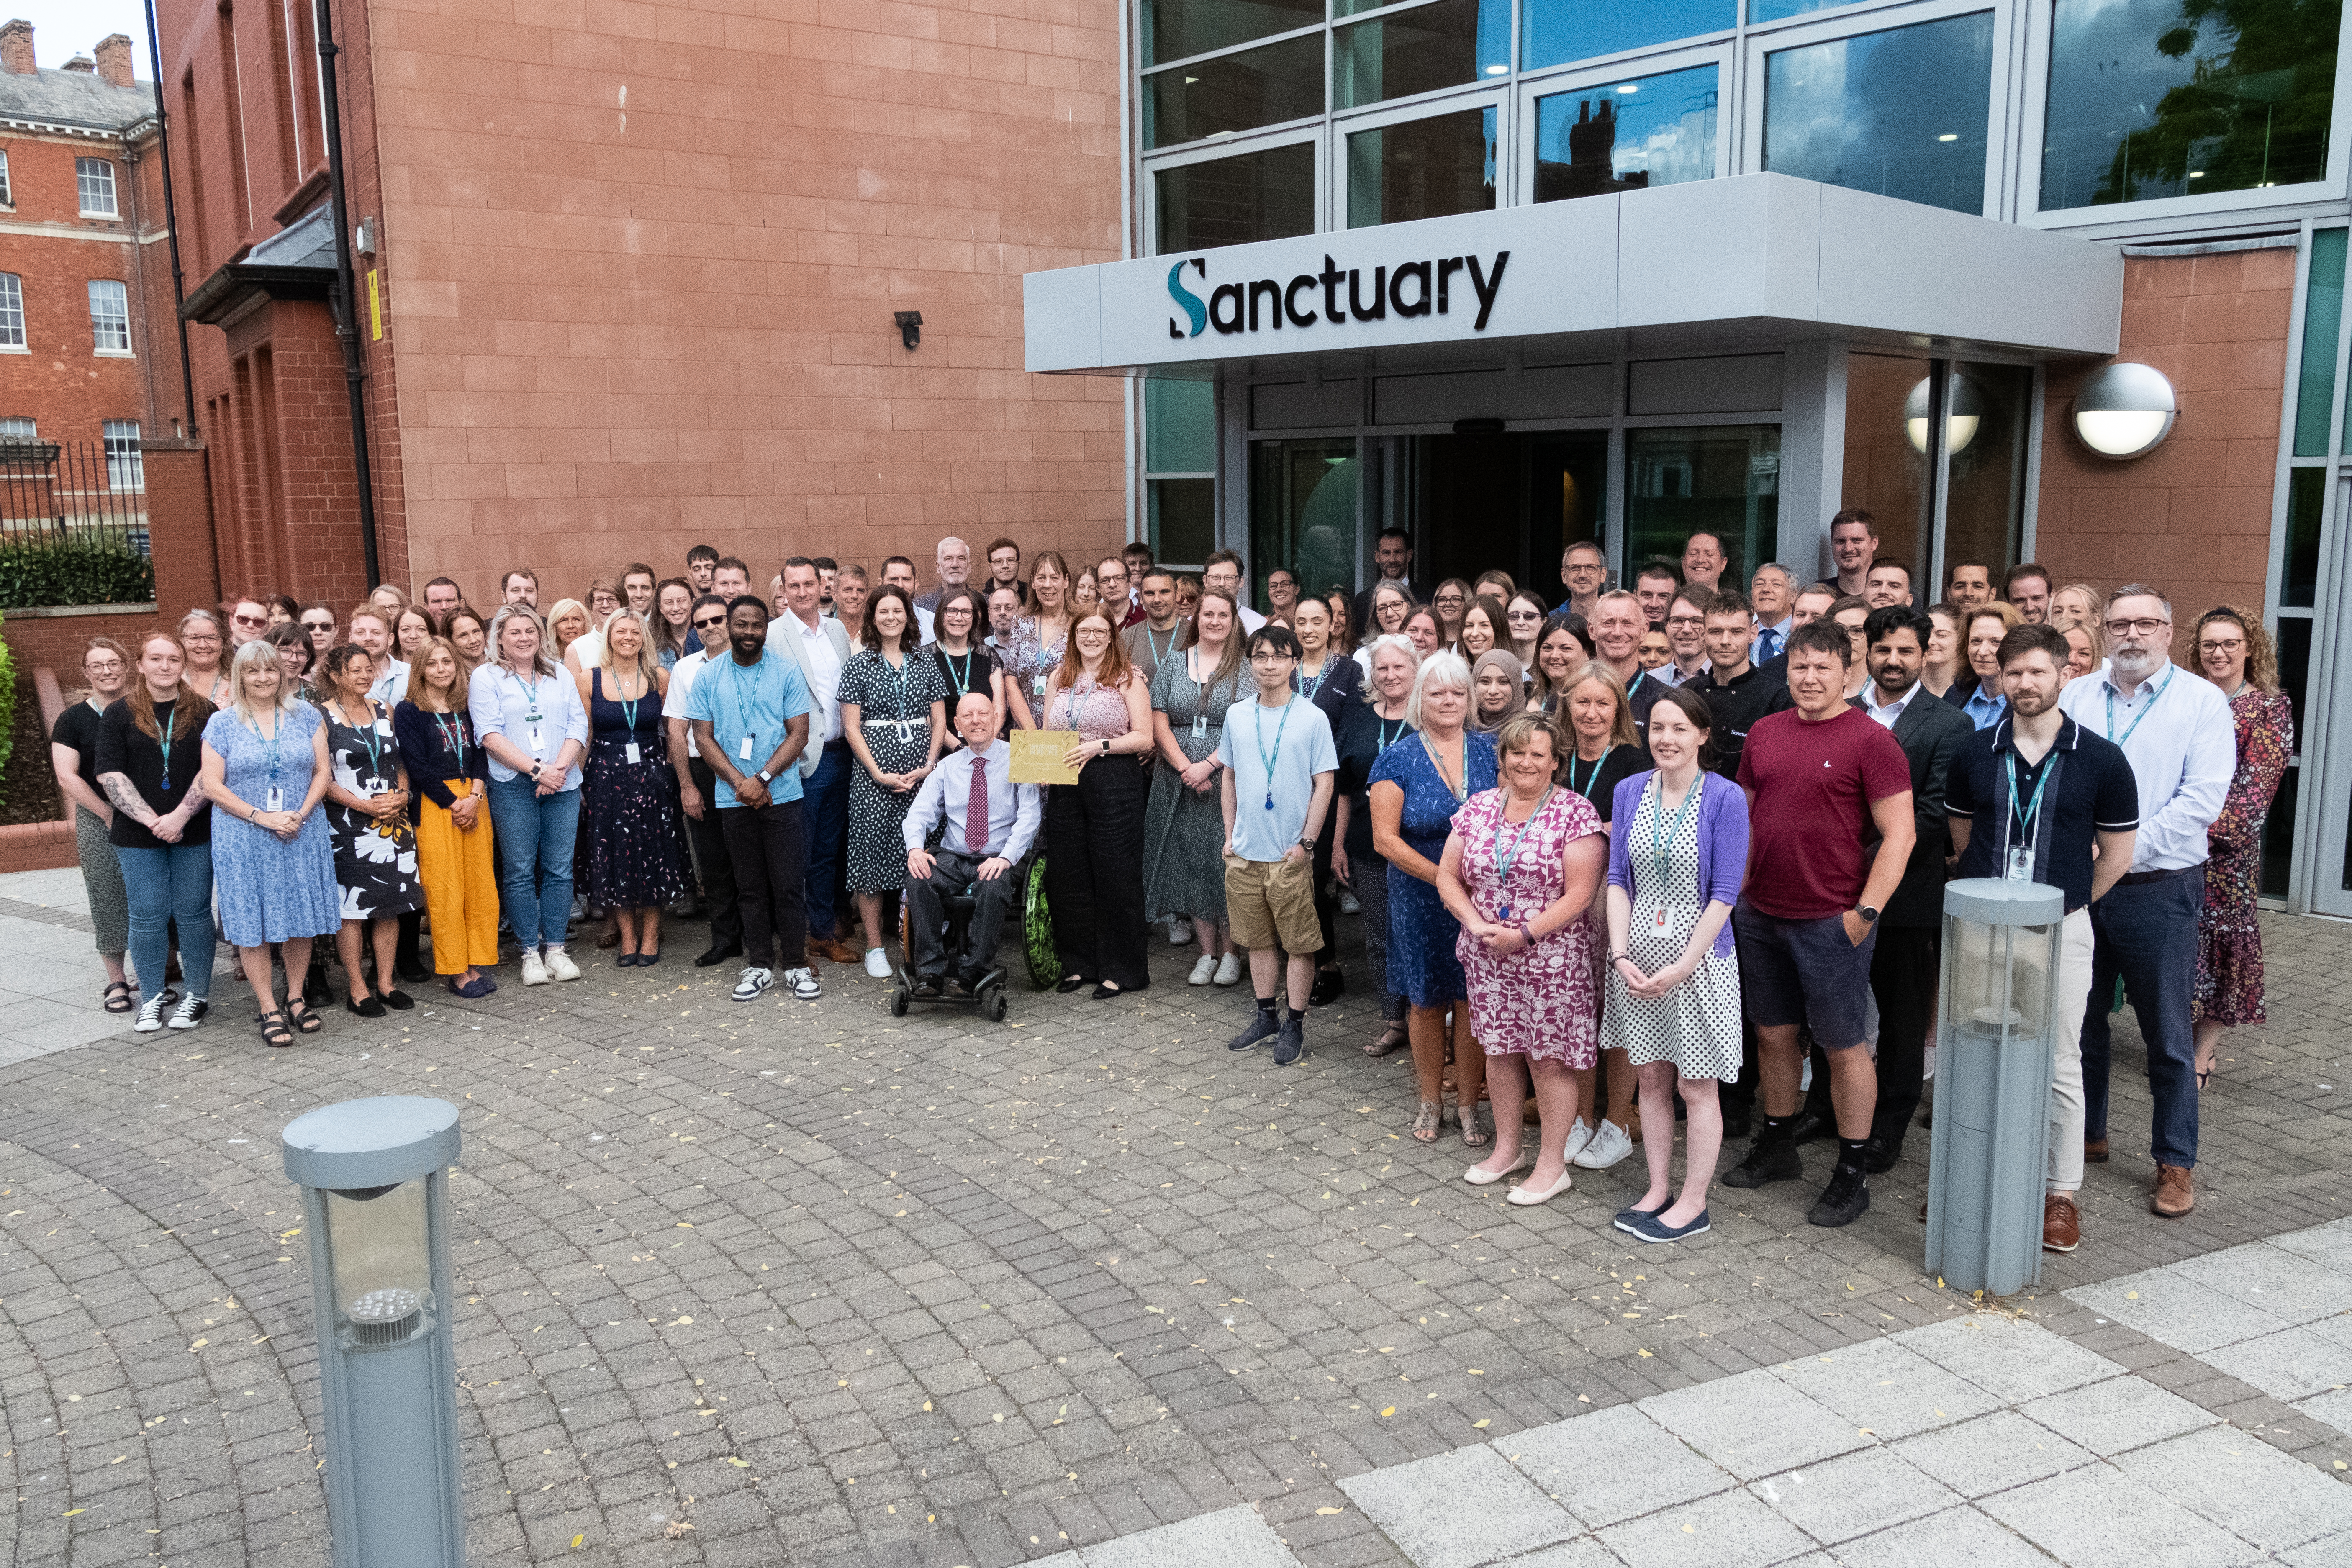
column 2061, row 1226
column 833, row 948
column 2095, row 1151
column 2173, row 1197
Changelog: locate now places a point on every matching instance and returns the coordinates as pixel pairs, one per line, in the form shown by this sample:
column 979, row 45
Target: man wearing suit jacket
column 818, row 645
column 1903, row 970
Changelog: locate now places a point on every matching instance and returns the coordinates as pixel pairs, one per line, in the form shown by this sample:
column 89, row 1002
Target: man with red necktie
column 990, row 824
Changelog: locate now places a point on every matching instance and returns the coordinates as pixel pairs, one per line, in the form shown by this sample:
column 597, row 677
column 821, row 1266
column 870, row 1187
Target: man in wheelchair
column 990, row 824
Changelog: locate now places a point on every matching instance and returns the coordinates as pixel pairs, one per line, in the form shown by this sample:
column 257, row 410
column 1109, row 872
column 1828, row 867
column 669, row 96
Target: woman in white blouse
column 527, row 711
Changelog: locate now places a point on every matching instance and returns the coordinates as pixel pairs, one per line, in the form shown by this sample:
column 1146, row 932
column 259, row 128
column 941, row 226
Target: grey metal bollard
column 1993, row 1065
column 374, row 1174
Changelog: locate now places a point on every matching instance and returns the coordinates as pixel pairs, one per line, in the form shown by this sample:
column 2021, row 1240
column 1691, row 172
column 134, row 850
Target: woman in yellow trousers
column 454, row 856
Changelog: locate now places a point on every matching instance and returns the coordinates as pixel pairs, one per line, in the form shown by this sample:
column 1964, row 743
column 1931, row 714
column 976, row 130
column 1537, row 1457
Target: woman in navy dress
column 1416, row 787
column 632, row 819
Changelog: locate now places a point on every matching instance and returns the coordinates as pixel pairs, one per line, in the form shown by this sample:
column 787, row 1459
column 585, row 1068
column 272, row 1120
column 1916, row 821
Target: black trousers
column 1327, row 897
column 1094, row 844
column 711, row 858
column 1904, row 972
column 953, row 870
column 768, row 848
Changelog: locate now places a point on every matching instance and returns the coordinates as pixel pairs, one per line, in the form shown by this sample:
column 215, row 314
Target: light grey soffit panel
column 1296, row 406
column 1735, row 385
column 1061, row 318
column 1550, row 392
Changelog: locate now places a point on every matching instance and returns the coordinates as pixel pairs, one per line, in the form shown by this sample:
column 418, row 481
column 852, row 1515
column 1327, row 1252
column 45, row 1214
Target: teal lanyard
column 453, row 735
column 629, row 709
column 1158, row 653
column 1506, row 856
column 531, row 714
column 373, row 741
column 2153, row 698
column 163, row 785
column 1386, row 739
column 1257, row 733
column 962, row 678
column 1309, row 688
column 1662, row 847
column 1585, row 789
column 2026, row 813
column 735, row 690
column 276, row 733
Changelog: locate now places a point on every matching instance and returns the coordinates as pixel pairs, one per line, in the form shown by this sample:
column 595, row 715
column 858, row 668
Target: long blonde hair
column 648, row 662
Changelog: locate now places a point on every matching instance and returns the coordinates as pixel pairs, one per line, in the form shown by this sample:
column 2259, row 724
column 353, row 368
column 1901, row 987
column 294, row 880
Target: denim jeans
column 170, row 885
column 534, row 836
column 2147, row 933
column 824, row 820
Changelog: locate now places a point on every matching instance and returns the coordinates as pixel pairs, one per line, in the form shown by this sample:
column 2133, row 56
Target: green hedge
column 73, row 572
column 7, row 705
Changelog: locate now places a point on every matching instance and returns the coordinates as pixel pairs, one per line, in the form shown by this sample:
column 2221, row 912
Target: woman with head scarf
column 1497, row 689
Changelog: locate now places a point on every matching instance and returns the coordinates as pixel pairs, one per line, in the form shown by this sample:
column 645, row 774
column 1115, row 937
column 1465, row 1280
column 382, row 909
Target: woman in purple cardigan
column 1675, row 861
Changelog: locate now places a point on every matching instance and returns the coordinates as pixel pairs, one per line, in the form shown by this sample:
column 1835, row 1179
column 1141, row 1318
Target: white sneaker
column 877, row 963
column 1180, row 932
column 151, row 1012
column 802, row 983
column 190, row 1012
column 1202, row 970
column 1579, row 1136
column 534, row 968
column 752, row 983
column 1229, row 969
column 1348, row 905
column 1609, row 1144
column 559, row 964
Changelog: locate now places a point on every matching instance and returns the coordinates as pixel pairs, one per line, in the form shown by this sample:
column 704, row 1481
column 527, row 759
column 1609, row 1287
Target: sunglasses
column 708, row 622
column 253, row 620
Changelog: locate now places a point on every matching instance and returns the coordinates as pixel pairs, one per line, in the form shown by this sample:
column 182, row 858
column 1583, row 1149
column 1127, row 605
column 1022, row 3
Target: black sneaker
column 1774, row 1161
column 1290, row 1043
column 927, row 988
column 1844, row 1200
column 1262, row 1027
column 1879, row 1158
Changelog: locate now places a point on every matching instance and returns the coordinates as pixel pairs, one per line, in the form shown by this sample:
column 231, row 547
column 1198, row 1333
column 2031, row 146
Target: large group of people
column 1619, row 857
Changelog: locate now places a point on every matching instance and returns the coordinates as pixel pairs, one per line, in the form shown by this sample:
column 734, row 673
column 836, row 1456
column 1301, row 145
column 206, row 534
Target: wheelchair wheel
column 1037, row 931
column 996, row 1004
column 897, row 1001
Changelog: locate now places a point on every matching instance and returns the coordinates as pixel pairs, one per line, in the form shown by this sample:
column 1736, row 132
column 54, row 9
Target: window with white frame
column 125, row 470
column 95, row 179
column 7, row 196
column 19, row 427
column 110, row 316
column 12, row 311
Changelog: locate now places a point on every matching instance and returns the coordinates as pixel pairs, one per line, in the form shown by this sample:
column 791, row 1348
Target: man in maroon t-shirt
column 1819, row 778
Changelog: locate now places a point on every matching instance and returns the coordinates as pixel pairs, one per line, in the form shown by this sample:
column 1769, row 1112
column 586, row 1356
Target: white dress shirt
column 681, row 683
column 1014, row 810
column 392, row 686
column 822, row 665
column 2178, row 735
column 1887, row 715
column 1251, row 619
column 1779, row 630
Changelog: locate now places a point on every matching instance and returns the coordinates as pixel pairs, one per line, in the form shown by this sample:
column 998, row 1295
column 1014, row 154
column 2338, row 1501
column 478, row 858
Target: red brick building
column 89, row 347
column 633, row 284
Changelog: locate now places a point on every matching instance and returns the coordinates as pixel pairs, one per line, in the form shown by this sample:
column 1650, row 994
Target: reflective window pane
column 2278, row 837
column 1885, row 472
column 1180, row 428
column 2323, row 313
column 1779, row 10
column 1420, row 49
column 1724, row 479
column 2306, row 493
column 2170, row 98
column 1626, row 135
column 1303, row 512
column 1266, row 194
column 1178, row 29
column 1899, row 113
column 1234, row 92
column 1987, row 427
column 1422, row 168
column 1183, row 520
column 1561, row 30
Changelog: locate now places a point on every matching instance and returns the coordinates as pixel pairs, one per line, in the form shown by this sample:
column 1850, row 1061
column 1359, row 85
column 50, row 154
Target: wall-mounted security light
column 2125, row 411
column 1963, row 413
column 910, row 326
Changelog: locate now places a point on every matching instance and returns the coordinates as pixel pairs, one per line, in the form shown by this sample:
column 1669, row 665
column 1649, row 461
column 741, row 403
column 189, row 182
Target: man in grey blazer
column 820, row 647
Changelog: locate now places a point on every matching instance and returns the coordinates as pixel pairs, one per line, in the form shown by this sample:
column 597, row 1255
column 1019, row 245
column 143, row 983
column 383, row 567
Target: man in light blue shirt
column 1280, row 768
column 750, row 713
column 989, row 822
column 2174, row 730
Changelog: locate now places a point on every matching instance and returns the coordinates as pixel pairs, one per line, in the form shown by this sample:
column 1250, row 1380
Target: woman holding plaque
column 1093, row 829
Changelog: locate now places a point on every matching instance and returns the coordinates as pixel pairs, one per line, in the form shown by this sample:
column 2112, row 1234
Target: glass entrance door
column 1512, row 500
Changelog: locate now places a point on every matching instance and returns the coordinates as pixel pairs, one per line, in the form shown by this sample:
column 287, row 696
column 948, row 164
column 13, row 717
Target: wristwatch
column 1307, row 845
column 764, row 777
column 1869, row 916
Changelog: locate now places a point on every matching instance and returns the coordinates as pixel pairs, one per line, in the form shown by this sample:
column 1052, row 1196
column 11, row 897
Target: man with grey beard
column 2174, row 730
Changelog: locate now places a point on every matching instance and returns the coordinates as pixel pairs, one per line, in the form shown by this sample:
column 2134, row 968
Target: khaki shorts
column 1271, row 903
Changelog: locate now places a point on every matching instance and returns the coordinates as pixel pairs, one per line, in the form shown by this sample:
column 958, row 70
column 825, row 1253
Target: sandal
column 1426, row 1121
column 118, row 996
column 1474, row 1134
column 274, row 1031
column 298, row 1011
column 1392, row 1038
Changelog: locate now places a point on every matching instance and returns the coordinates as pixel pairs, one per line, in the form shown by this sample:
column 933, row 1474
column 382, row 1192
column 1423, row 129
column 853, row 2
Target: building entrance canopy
column 1758, row 259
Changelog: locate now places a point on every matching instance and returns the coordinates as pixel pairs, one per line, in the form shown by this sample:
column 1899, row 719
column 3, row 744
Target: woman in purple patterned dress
column 2235, row 654
column 1519, row 871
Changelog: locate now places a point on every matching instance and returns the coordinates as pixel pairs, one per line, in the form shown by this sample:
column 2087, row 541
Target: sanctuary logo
column 1407, row 289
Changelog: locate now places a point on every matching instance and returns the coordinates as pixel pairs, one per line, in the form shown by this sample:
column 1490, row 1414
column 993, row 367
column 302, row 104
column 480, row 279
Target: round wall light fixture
column 1961, row 417
column 2125, row 411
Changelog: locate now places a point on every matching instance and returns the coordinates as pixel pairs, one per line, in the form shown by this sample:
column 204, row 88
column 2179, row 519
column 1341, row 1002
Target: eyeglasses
column 102, row 666
column 2142, row 627
column 2232, row 645
column 708, row 622
column 1449, row 599
column 1270, row 656
column 1522, row 615
column 253, row 620
column 1685, row 620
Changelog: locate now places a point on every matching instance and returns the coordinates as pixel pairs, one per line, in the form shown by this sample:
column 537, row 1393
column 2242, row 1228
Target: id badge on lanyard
column 1201, row 726
column 633, row 754
column 2020, row 863
column 276, row 800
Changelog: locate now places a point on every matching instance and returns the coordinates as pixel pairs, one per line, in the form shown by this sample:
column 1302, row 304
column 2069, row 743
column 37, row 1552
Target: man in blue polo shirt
column 2038, row 798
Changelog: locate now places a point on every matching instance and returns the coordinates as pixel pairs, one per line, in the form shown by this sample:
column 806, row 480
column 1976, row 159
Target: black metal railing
column 73, row 524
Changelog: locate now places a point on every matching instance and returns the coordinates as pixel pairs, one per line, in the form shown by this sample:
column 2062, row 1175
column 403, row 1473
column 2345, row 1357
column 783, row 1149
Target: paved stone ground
column 826, row 1285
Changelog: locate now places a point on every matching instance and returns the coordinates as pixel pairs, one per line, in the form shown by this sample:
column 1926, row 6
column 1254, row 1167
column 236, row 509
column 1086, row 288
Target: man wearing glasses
column 696, row 785
column 1686, row 635
column 2174, row 730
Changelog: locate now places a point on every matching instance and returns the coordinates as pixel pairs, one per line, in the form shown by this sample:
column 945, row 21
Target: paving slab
column 1460, row 1509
